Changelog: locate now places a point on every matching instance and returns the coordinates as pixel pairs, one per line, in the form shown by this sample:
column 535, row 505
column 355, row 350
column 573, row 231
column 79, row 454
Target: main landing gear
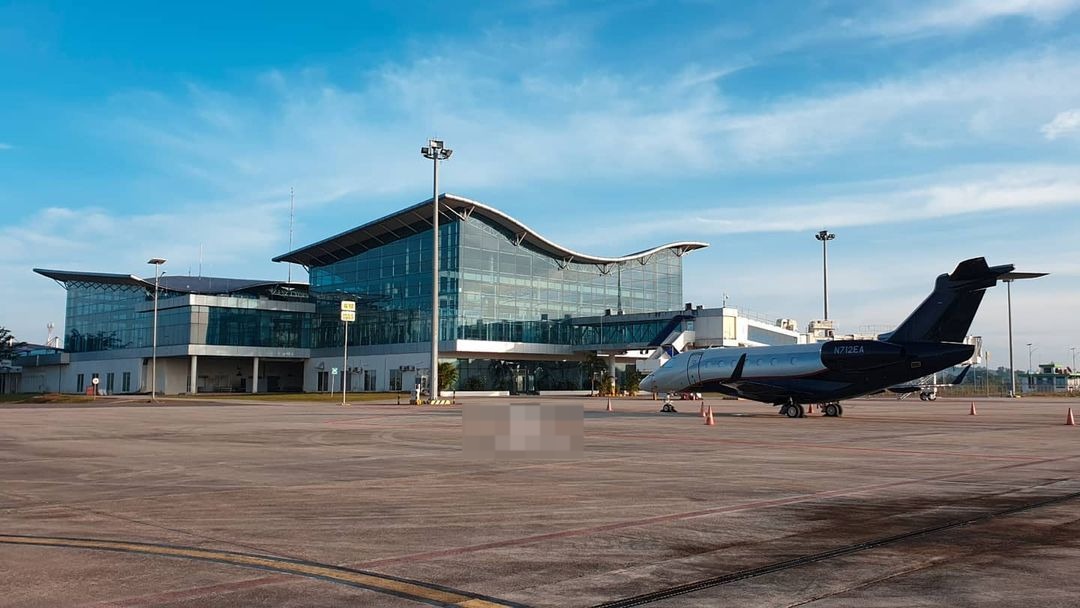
column 796, row 410
column 793, row 410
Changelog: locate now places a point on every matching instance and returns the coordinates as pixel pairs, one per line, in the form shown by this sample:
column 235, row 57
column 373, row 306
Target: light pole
column 435, row 151
column 1008, row 278
column 825, row 236
column 1030, row 350
column 157, row 262
column 1073, row 349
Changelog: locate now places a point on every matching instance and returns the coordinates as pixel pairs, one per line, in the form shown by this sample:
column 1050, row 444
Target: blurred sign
column 333, row 371
column 348, row 315
column 348, row 305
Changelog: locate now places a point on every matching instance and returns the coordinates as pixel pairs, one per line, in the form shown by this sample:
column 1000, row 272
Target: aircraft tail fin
column 946, row 314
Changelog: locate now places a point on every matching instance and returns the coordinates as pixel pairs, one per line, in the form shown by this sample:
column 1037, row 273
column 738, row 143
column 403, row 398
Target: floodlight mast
column 157, row 262
column 435, row 151
column 825, row 236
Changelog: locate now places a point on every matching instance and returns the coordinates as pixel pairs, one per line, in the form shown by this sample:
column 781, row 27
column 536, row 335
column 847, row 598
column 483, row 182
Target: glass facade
column 112, row 317
column 519, row 377
column 106, row 317
column 391, row 286
column 490, row 288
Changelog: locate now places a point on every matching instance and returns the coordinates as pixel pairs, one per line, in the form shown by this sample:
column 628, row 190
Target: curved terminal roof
column 417, row 218
column 174, row 284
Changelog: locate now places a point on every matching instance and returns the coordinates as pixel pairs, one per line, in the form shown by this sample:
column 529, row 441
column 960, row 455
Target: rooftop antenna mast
column 200, row 261
column 292, row 198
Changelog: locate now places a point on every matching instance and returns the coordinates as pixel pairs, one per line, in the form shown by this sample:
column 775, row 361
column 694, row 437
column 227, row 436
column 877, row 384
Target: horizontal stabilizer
column 946, row 314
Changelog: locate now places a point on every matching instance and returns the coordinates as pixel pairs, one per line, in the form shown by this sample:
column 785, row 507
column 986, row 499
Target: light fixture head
column 824, row 235
column 436, row 150
column 156, row 261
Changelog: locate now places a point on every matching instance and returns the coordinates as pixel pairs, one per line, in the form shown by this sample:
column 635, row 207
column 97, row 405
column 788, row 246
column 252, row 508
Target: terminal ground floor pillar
column 611, row 373
column 194, row 374
column 255, row 375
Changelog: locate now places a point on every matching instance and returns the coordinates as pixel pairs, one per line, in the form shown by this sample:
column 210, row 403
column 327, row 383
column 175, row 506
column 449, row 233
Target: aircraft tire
column 794, row 410
column 832, row 410
column 931, row 397
column 840, row 409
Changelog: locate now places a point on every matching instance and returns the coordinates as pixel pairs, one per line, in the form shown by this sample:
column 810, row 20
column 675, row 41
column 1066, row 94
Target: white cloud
column 993, row 102
column 1065, row 123
column 977, row 190
column 4, row 146
column 959, row 15
column 331, row 140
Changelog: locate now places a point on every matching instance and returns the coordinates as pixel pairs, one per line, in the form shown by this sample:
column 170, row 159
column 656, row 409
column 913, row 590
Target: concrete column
column 194, row 374
column 255, row 375
column 611, row 370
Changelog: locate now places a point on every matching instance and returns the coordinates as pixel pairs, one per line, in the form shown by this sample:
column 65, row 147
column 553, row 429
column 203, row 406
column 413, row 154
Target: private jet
column 931, row 339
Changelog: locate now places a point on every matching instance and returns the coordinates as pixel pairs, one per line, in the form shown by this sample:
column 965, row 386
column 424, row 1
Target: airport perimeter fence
column 998, row 390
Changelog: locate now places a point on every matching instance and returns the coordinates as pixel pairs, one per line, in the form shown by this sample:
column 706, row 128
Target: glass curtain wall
column 514, row 293
column 111, row 317
column 106, row 317
column 490, row 289
column 391, row 286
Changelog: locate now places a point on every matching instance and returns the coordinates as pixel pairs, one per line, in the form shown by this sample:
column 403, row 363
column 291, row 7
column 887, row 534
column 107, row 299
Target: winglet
column 737, row 374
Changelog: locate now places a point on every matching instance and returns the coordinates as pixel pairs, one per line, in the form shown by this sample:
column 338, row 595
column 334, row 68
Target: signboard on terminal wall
column 348, row 315
column 349, row 305
column 333, row 371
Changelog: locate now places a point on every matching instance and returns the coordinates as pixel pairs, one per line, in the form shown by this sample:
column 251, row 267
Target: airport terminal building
column 518, row 313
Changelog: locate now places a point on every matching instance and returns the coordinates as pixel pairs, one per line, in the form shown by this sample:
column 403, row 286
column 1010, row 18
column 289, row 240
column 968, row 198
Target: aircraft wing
column 765, row 391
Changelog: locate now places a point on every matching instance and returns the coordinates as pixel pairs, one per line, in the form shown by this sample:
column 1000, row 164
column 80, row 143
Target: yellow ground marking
column 408, row 589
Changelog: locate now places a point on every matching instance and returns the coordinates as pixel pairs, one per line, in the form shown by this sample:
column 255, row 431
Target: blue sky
column 920, row 133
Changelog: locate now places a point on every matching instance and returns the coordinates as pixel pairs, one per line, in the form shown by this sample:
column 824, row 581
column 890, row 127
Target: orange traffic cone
column 973, row 412
column 708, row 417
column 1069, row 421
column 810, row 409
column 609, row 406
